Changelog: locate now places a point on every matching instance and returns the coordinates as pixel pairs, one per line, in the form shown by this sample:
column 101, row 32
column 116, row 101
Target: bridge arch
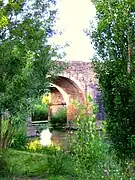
column 64, row 90
column 76, row 82
column 63, row 93
column 71, row 88
column 82, row 78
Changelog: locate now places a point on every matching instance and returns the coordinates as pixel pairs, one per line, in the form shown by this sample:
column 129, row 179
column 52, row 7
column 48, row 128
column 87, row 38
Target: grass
column 37, row 166
column 23, row 163
column 59, row 165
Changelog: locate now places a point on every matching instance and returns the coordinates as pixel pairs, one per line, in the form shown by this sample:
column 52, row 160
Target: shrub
column 40, row 112
column 19, row 139
column 34, row 146
column 3, row 165
column 91, row 154
column 114, row 65
column 118, row 94
column 60, row 163
column 86, row 145
column 14, row 132
column 60, row 118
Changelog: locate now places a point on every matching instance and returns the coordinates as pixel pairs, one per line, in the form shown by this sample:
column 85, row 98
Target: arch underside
column 64, row 90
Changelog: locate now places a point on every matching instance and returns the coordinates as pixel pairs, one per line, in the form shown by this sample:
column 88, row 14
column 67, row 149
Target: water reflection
column 61, row 137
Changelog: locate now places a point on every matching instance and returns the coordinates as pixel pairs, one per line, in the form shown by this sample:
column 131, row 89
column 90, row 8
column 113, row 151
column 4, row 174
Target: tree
column 26, row 68
column 114, row 42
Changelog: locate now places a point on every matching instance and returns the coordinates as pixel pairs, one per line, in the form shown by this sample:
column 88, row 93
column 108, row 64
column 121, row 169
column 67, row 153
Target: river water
column 61, row 137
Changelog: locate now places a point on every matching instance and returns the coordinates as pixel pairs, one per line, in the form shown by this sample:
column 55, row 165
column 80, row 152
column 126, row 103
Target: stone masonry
column 77, row 80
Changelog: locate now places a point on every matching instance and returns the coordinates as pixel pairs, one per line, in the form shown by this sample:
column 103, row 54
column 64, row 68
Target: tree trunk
column 6, row 135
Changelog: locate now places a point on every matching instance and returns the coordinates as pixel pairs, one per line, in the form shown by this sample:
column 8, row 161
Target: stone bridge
column 77, row 80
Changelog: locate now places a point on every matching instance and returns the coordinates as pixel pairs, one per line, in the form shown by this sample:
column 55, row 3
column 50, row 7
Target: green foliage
column 4, row 126
column 114, row 42
column 3, row 165
column 34, row 146
column 23, row 163
column 47, row 165
column 52, row 163
column 26, row 66
column 40, row 112
column 118, row 93
column 60, row 163
column 25, row 58
column 86, row 145
column 90, row 152
column 60, row 117
column 14, row 135
column 19, row 139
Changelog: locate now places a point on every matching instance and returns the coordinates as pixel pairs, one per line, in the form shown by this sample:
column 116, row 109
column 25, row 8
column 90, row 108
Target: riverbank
column 22, row 165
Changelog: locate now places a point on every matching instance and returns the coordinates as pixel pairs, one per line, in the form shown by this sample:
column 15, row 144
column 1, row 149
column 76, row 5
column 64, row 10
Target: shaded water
column 61, row 137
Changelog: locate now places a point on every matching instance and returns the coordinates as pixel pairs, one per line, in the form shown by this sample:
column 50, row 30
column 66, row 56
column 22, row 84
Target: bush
column 118, row 94
column 14, row 132
column 91, row 154
column 86, row 146
column 60, row 118
column 114, row 64
column 3, row 165
column 20, row 138
column 40, row 112
column 60, row 163
column 34, row 146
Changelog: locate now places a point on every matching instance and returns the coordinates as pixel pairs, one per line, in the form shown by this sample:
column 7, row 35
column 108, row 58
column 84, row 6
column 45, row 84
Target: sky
column 73, row 18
